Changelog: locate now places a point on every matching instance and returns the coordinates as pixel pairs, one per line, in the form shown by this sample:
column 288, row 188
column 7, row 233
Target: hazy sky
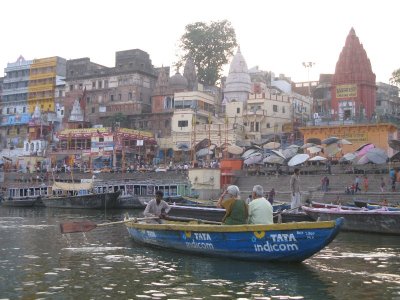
column 275, row 35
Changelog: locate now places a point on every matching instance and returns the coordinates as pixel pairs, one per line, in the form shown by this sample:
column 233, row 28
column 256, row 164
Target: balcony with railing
column 39, row 76
column 8, row 79
column 377, row 119
column 255, row 112
column 41, row 88
column 13, row 91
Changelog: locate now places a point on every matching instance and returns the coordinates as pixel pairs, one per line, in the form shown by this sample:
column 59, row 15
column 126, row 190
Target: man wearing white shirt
column 260, row 210
column 156, row 206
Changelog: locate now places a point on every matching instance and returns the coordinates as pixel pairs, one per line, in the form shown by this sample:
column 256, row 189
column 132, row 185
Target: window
column 80, row 86
column 18, row 131
column 71, row 87
column 100, row 84
column 283, row 109
column 111, row 97
column 8, row 110
column 106, row 84
column 166, row 123
column 251, row 126
column 275, row 108
column 257, row 126
column 268, row 125
column 101, row 139
column 183, row 123
column 87, row 100
column 119, row 97
column 15, row 110
column 24, row 109
column 238, row 110
column 130, row 96
column 93, row 84
column 93, row 110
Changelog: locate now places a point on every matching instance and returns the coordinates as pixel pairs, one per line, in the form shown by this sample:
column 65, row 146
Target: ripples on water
column 37, row 262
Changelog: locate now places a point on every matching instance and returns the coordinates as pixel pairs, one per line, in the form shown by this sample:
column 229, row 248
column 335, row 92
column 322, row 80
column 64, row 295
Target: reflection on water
column 36, row 261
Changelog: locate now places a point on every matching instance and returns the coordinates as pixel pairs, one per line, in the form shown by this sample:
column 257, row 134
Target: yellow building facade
column 358, row 134
column 43, row 75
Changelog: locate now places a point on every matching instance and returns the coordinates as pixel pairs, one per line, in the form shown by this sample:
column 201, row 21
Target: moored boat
column 290, row 242
column 23, row 202
column 23, row 195
column 79, row 195
column 362, row 220
column 331, row 205
column 91, row 201
column 375, row 205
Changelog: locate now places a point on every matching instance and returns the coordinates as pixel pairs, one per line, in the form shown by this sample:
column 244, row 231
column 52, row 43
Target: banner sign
column 354, row 137
column 346, row 91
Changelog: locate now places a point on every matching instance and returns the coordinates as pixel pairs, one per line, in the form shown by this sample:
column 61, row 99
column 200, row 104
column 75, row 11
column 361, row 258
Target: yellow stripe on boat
column 232, row 228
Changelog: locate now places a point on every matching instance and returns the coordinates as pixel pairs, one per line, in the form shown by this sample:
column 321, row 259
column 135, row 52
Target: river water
column 37, row 262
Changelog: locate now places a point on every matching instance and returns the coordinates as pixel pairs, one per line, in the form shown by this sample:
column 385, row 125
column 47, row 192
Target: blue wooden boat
column 286, row 242
column 362, row 220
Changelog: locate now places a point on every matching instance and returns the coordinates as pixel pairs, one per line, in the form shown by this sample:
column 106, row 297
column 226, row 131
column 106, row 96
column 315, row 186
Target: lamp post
column 308, row 65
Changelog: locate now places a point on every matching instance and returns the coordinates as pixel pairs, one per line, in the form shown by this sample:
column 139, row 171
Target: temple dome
column 178, row 82
column 238, row 79
column 353, row 64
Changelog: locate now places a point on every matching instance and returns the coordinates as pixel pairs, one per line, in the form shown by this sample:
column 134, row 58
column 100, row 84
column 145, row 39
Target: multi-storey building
column 14, row 106
column 118, row 94
column 387, row 100
column 43, row 76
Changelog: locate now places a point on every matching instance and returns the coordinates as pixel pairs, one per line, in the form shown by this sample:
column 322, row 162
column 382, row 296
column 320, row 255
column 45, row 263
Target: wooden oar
column 85, row 226
column 184, row 219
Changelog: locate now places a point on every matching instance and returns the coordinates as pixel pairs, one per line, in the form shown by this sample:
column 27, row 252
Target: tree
column 210, row 46
column 395, row 79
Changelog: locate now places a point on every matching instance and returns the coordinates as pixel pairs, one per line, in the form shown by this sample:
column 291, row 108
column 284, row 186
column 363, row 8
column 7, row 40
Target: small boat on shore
column 331, row 205
column 290, row 242
column 362, row 220
column 375, row 205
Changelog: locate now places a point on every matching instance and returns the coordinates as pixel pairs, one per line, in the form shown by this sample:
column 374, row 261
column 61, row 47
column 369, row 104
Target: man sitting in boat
column 236, row 209
column 260, row 209
column 157, row 207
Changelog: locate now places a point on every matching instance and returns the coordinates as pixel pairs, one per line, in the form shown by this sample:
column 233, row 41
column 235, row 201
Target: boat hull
column 90, row 201
column 371, row 221
column 290, row 242
column 25, row 202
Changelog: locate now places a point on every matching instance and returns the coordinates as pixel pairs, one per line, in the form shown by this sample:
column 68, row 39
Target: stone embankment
column 311, row 186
